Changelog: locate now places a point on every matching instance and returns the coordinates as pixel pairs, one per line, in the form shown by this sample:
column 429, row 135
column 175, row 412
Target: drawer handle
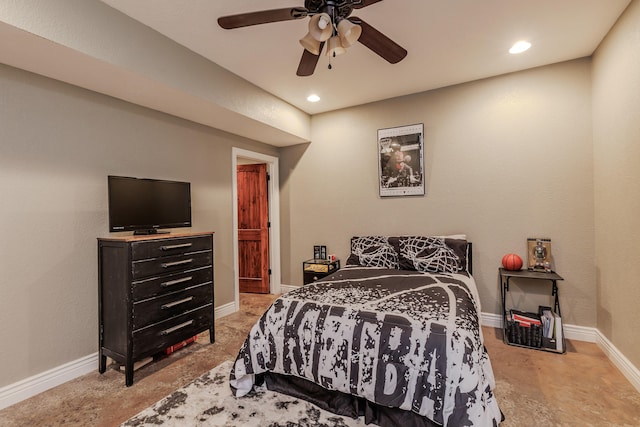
column 175, row 282
column 176, row 263
column 175, row 328
column 171, row 247
column 173, row 304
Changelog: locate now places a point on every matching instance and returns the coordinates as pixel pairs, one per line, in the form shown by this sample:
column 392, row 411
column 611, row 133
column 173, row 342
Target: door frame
column 273, row 191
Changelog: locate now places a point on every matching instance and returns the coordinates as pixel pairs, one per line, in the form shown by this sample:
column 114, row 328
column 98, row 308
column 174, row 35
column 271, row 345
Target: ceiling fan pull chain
column 334, row 31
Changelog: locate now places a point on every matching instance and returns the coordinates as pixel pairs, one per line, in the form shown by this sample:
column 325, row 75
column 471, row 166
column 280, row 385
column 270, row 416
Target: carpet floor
column 208, row 401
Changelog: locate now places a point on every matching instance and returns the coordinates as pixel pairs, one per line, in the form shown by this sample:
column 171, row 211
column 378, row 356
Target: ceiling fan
column 330, row 22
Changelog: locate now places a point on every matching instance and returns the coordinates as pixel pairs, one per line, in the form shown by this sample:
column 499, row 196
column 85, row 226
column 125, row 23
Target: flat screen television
column 146, row 205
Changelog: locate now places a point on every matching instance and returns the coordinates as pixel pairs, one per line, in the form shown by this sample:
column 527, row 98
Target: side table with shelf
column 541, row 276
column 315, row 269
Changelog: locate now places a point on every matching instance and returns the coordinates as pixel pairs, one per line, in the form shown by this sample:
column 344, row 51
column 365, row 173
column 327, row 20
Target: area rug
column 208, row 401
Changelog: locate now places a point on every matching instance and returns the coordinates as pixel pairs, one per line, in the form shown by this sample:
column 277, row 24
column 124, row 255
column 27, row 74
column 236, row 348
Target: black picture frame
column 401, row 161
column 319, row 252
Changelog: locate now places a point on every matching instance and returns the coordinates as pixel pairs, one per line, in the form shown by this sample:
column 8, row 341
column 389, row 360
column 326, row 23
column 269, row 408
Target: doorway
column 253, row 227
column 240, row 156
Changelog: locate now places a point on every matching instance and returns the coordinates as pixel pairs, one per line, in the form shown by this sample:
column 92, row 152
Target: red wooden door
column 253, row 228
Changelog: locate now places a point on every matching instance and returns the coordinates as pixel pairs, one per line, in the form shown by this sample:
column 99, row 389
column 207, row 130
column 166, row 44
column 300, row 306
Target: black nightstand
column 315, row 269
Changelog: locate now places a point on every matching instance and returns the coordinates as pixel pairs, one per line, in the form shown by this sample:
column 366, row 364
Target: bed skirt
column 343, row 404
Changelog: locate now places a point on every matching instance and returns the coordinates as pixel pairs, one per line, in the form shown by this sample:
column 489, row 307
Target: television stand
column 153, row 292
column 149, row 231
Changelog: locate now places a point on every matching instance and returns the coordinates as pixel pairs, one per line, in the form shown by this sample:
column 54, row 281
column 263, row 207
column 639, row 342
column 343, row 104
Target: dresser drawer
column 161, row 335
column 168, row 247
column 170, row 264
column 154, row 310
column 159, row 285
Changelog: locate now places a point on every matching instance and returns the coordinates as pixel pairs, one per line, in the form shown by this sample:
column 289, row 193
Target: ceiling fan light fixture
column 323, row 19
column 320, row 27
column 335, row 46
column 349, row 32
column 311, row 44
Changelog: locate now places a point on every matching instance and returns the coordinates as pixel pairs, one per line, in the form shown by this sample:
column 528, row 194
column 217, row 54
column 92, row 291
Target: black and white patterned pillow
column 373, row 251
column 432, row 254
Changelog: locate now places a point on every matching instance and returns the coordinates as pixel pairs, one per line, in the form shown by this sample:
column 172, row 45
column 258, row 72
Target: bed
column 394, row 336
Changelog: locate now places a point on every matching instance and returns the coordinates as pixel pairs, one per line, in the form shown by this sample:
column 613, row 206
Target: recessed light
column 313, row 98
column 520, row 47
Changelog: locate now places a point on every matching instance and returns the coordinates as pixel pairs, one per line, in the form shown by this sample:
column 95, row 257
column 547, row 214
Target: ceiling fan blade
column 364, row 3
column 261, row 17
column 379, row 43
column 308, row 62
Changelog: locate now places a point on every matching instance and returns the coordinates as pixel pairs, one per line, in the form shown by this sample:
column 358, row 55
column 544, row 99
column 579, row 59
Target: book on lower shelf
column 524, row 328
column 526, row 319
column 558, row 332
column 553, row 336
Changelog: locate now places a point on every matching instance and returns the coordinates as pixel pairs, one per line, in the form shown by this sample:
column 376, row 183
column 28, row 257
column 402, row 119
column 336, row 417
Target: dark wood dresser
column 153, row 292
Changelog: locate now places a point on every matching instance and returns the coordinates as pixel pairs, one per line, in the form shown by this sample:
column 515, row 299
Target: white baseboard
column 580, row 333
column 226, row 309
column 29, row 387
column 17, row 392
column 626, row 367
column 491, row 320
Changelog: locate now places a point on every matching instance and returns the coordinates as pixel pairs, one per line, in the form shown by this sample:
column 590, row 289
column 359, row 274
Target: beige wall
column 616, row 130
column 58, row 143
column 506, row 158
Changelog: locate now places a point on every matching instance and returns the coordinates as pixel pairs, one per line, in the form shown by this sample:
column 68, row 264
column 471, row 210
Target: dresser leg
column 212, row 337
column 128, row 374
column 102, row 362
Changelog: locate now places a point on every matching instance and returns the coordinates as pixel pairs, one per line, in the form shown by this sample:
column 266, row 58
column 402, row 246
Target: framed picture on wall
column 401, row 161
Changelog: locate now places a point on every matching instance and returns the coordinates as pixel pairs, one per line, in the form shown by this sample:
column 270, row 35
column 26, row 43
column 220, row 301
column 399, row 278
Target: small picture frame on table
column 319, row 252
column 539, row 254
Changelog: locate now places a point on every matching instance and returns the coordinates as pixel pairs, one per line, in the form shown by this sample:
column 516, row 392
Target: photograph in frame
column 401, row 161
column 539, row 256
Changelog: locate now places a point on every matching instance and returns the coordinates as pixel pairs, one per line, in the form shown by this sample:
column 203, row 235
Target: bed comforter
column 397, row 338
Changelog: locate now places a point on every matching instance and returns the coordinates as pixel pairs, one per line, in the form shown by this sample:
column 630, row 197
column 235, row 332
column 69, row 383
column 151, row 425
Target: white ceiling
column 449, row 42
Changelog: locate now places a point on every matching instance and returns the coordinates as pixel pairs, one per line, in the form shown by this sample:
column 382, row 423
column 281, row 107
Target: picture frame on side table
column 319, row 252
column 539, row 254
column 401, row 161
